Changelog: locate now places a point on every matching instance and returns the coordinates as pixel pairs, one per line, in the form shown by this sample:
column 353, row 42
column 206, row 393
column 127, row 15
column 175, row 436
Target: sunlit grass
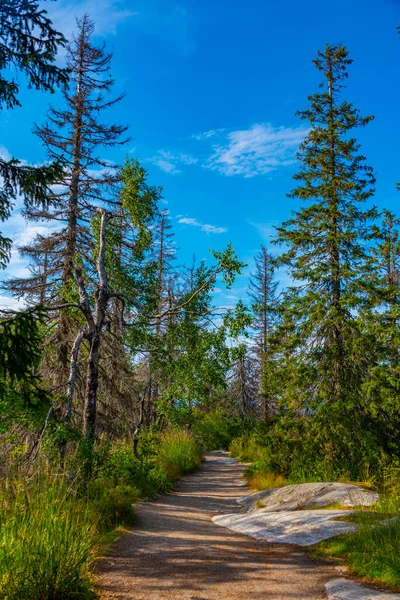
column 52, row 529
column 178, row 454
column 266, row 481
column 46, row 542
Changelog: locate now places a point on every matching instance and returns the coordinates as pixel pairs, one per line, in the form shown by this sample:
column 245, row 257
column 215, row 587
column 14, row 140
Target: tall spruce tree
column 325, row 243
column 262, row 292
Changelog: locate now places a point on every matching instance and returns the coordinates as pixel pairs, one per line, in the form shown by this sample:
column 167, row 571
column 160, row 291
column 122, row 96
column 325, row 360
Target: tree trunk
column 92, row 383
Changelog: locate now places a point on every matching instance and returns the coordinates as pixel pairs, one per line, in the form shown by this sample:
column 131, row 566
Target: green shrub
column 46, row 543
column 214, row 431
column 114, row 504
column 118, row 465
column 302, row 449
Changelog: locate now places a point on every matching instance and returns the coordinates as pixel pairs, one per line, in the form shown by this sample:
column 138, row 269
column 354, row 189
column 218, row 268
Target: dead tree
column 74, row 136
column 262, row 292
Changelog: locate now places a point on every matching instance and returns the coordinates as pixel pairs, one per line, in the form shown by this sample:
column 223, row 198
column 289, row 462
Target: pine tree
column 75, row 136
column 28, row 44
column 262, row 292
column 326, row 241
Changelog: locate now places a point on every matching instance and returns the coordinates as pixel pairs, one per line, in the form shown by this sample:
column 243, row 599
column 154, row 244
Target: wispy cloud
column 256, row 151
column 107, row 14
column 206, row 227
column 170, row 163
column 266, row 230
column 207, row 134
column 268, row 233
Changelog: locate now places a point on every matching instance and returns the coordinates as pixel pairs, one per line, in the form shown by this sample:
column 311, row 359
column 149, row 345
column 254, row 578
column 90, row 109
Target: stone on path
column 343, row 589
column 303, row 527
column 309, row 495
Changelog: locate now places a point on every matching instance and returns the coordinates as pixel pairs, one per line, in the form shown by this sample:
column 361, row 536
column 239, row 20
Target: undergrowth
column 373, row 550
column 52, row 526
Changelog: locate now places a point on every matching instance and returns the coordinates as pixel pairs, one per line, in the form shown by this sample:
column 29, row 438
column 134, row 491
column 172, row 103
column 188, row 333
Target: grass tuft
column 52, row 529
column 266, row 481
column 46, row 543
column 178, row 454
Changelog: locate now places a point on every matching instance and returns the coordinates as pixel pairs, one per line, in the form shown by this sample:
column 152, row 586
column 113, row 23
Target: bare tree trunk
column 73, row 209
column 92, row 383
column 73, row 373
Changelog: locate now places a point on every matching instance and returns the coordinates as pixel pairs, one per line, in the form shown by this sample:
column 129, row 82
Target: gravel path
column 176, row 551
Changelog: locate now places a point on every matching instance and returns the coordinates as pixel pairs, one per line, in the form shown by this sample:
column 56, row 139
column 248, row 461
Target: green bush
column 117, row 464
column 114, row 504
column 303, row 449
column 46, row 542
column 214, row 431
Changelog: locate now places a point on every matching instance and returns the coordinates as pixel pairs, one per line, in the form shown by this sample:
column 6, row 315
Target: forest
column 120, row 370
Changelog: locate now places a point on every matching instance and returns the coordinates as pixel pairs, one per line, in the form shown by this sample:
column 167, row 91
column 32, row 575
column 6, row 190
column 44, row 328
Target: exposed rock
column 309, row 495
column 342, row 589
column 303, row 527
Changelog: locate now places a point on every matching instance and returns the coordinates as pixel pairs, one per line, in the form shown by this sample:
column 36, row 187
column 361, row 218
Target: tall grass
column 372, row 551
column 46, row 542
column 50, row 529
column 178, row 454
column 258, row 474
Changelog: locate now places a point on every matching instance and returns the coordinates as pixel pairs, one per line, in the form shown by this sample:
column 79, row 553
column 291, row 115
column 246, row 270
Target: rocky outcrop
column 343, row 589
column 294, row 514
column 309, row 495
column 303, row 527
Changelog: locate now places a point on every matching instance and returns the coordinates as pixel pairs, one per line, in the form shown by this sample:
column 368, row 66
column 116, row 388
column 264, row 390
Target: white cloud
column 169, row 162
column 256, row 151
column 21, row 232
column 8, row 303
column 203, row 226
column 107, row 15
column 165, row 19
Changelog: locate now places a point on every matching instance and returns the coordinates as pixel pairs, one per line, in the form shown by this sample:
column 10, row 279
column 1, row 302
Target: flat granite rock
column 343, row 589
column 309, row 495
column 302, row 527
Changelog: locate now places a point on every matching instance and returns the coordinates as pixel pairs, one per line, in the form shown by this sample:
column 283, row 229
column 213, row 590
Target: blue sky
column 211, row 91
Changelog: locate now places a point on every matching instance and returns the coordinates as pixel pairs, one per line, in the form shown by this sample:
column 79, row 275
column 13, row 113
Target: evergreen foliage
column 121, row 347
column 28, row 44
column 326, row 247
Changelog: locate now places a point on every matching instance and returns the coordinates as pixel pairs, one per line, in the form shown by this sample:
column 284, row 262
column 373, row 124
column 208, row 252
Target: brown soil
column 176, row 551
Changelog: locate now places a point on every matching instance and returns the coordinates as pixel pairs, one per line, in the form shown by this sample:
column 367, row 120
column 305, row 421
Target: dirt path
column 176, row 551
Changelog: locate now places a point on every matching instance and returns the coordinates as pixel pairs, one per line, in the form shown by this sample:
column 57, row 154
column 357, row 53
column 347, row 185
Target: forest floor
column 176, row 551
